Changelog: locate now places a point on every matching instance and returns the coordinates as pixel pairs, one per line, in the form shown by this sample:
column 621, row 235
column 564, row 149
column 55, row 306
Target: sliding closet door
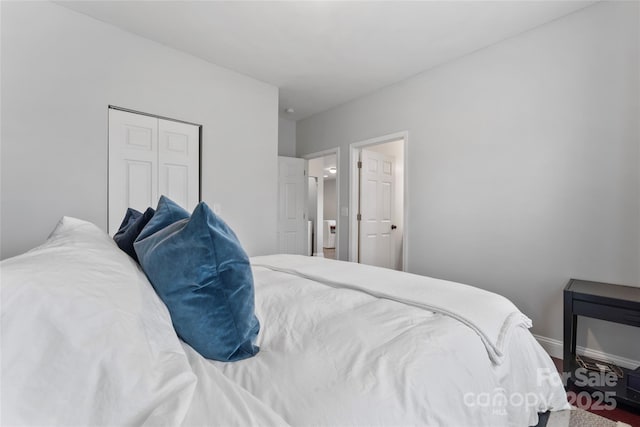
column 150, row 157
column 133, row 164
column 178, row 165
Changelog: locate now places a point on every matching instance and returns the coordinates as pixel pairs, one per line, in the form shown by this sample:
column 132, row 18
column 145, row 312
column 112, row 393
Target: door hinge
column 359, row 217
column 359, row 165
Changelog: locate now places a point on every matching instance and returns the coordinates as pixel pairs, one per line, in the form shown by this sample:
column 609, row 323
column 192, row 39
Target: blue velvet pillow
column 130, row 216
column 201, row 272
column 166, row 214
column 131, row 226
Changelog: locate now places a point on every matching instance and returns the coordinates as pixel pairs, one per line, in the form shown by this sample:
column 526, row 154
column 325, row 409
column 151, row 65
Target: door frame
column 354, row 194
column 324, row 153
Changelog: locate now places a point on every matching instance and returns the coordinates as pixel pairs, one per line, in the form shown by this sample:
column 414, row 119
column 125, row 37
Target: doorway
column 322, row 203
column 378, row 210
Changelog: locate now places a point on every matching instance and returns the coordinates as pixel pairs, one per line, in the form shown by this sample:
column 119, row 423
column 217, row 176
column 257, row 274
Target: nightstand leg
column 569, row 333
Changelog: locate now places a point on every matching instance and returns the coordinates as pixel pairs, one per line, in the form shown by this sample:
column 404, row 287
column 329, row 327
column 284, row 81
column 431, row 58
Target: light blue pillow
column 201, row 272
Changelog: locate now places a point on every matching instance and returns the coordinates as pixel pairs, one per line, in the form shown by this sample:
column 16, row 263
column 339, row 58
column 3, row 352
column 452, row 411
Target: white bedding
column 345, row 357
column 86, row 341
column 491, row 316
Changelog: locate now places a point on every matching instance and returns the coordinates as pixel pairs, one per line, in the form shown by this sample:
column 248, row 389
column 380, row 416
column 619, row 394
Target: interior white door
column 376, row 207
column 133, row 164
column 292, row 224
column 179, row 162
column 150, row 157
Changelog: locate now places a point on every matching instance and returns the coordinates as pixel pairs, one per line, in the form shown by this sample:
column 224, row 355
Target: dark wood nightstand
column 615, row 303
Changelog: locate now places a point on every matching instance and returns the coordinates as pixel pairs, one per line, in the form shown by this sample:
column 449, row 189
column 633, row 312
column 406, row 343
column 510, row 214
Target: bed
column 86, row 341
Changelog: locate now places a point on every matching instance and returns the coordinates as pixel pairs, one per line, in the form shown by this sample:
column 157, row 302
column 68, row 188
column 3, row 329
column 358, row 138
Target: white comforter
column 332, row 353
column 85, row 341
column 491, row 316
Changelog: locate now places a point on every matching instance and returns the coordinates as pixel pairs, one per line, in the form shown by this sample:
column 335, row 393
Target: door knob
column 393, row 227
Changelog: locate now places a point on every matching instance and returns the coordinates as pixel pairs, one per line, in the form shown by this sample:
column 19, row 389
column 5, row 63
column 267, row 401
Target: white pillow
column 85, row 339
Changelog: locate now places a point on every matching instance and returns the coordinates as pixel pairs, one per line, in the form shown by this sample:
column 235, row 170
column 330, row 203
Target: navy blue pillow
column 131, row 226
column 201, row 272
column 130, row 216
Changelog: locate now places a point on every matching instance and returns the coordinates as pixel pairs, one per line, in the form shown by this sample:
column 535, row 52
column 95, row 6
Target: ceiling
column 321, row 54
column 329, row 163
column 326, row 162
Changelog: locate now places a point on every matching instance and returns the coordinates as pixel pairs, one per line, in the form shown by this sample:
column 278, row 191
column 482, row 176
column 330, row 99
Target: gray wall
column 330, row 210
column 523, row 164
column 60, row 71
column 286, row 137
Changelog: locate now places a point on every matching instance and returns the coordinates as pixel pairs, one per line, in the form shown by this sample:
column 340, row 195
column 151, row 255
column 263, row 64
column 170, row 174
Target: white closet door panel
column 139, row 183
column 179, row 162
column 133, row 145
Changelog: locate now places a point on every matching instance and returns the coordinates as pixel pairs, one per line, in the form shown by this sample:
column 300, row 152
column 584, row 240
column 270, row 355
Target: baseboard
column 319, row 254
column 554, row 348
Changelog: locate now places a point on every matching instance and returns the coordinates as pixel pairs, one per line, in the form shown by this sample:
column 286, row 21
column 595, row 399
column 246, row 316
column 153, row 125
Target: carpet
column 580, row 418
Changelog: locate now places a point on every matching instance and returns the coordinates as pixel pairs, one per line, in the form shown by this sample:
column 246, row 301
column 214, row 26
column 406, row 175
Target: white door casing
column 376, row 207
column 292, row 224
column 354, row 193
column 344, row 211
column 149, row 157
